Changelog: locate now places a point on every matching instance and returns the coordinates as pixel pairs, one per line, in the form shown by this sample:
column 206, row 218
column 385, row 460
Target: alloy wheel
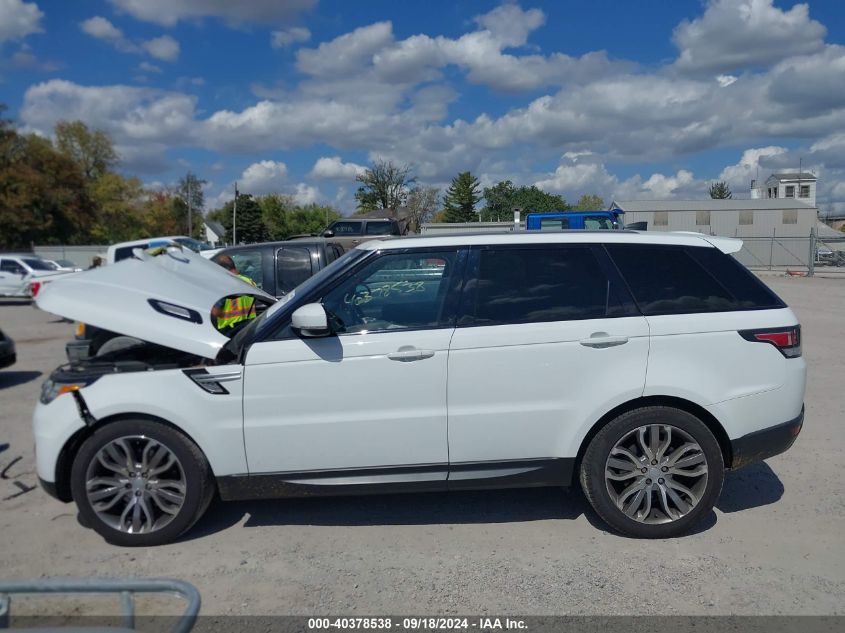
column 656, row 473
column 135, row 484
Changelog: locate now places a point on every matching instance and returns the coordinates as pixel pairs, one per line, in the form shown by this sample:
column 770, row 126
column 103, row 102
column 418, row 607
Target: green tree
column 383, row 186
column 589, row 202
column 118, row 202
column 461, row 197
column 284, row 218
column 91, row 150
column 421, row 206
column 250, row 224
column 720, row 191
column 504, row 197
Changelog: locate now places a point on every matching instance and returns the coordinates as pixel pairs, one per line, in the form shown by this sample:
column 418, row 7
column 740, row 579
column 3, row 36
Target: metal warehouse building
column 766, row 217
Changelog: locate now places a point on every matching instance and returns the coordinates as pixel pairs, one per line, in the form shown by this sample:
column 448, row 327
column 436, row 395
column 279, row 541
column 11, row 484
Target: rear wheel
column 653, row 472
column 140, row 482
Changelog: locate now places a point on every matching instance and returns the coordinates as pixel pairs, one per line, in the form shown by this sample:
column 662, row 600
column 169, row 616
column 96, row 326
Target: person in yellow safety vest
column 234, row 309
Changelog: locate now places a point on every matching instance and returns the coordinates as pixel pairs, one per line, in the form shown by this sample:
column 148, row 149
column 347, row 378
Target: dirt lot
column 775, row 544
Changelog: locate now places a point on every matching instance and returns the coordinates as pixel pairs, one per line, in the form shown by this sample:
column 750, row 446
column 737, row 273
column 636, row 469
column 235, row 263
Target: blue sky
column 646, row 100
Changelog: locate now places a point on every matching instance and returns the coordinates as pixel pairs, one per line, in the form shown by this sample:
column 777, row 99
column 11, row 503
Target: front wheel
column 140, row 482
column 653, row 472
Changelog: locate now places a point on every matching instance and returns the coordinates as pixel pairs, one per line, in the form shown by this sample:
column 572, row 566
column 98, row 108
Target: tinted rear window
column 540, row 284
column 679, row 280
column 379, row 228
column 293, row 266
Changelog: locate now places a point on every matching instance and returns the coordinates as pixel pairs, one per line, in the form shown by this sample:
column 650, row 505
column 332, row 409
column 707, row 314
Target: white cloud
column 726, row 80
column 266, row 176
column 19, row 19
column 169, row 12
column 306, row 194
column 510, row 25
column 286, row 37
column 739, row 176
column 333, row 168
column 738, row 34
column 666, row 186
column 165, row 48
column 347, row 53
column 101, row 28
column 147, row 67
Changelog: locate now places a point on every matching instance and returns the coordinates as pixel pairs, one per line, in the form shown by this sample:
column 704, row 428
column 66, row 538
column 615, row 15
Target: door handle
column 410, row 354
column 600, row 340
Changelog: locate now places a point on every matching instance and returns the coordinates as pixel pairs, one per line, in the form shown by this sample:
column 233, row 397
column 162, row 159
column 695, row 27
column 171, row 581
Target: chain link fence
column 806, row 255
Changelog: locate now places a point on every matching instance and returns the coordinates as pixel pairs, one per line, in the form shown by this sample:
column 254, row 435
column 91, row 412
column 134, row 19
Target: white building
column 801, row 185
column 764, row 217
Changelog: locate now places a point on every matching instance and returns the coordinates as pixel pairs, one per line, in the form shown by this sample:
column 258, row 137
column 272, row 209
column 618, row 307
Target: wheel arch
column 666, row 401
column 64, row 463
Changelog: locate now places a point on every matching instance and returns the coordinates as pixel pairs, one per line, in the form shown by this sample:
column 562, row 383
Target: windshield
column 37, row 264
column 194, row 245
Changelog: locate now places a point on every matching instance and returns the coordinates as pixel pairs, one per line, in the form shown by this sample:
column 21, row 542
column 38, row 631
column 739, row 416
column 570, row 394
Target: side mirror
column 328, row 233
column 310, row 321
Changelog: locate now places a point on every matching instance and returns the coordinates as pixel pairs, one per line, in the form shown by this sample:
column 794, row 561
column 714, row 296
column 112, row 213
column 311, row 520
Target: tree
column 421, row 206
column 284, row 218
column 503, row 197
column 589, row 202
column 720, row 191
column 190, row 189
column 118, row 202
column 158, row 214
column 91, row 150
column 250, row 224
column 383, row 186
column 43, row 194
column 461, row 197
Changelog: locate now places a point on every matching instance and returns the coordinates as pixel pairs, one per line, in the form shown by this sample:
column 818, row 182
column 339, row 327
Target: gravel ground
column 774, row 545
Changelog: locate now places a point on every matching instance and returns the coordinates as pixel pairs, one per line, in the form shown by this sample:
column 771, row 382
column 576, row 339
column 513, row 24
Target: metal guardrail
column 126, row 588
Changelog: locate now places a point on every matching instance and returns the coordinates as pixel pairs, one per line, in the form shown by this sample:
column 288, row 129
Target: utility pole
column 235, row 218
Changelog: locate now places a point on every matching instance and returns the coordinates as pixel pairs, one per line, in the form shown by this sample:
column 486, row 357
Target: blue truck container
column 583, row 220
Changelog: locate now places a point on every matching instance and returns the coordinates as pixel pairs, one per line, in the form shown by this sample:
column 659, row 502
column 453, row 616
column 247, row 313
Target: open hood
column 164, row 299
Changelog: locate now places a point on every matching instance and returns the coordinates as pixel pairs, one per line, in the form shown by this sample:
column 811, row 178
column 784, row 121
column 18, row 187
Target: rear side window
column 379, row 228
column 553, row 224
column 293, row 266
column 347, row 228
column 125, row 252
column 682, row 280
column 538, row 285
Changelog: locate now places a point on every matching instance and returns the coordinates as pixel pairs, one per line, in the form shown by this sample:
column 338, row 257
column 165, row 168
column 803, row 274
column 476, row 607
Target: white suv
column 640, row 365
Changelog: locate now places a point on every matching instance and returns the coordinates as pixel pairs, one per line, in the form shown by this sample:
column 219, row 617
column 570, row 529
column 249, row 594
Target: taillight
column 786, row 339
column 34, row 287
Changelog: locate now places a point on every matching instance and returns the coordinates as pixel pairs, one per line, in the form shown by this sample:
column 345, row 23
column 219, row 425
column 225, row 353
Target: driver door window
column 394, row 292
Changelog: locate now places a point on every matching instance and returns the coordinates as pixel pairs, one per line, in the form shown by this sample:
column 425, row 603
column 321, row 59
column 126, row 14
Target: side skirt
column 399, row 479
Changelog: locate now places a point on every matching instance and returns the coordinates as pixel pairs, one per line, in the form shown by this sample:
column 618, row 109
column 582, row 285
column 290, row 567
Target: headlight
column 51, row 390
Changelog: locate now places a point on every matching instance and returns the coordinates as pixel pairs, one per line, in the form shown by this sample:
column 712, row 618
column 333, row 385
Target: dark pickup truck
column 279, row 267
column 276, row 267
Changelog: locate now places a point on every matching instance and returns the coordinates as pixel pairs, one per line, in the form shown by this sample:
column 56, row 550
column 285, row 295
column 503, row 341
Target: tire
column 168, row 488
column 117, row 343
column 681, row 495
column 98, row 340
